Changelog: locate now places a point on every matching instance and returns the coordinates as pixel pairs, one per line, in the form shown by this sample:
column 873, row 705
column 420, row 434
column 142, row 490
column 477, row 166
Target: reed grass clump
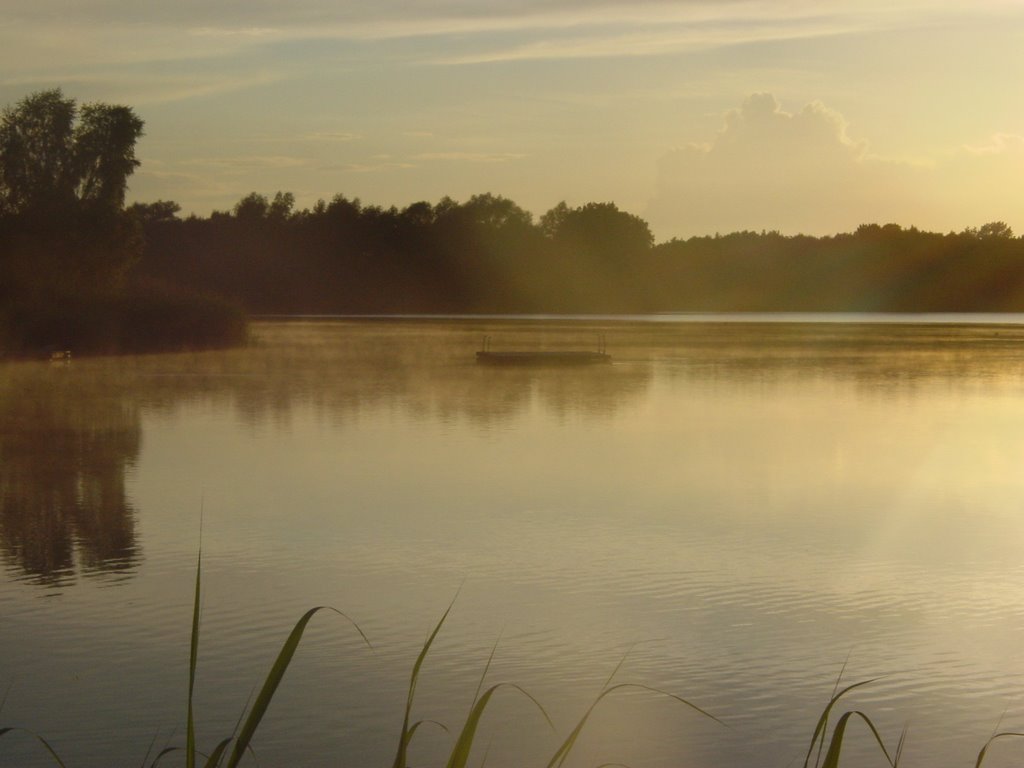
column 824, row 751
column 141, row 317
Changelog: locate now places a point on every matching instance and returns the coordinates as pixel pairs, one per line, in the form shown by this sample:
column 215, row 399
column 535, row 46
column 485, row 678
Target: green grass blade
column 899, row 747
column 680, row 699
column 487, row 668
column 401, row 757
column 149, row 749
column 460, row 752
column 218, row 753
column 984, row 749
column 50, row 749
column 238, row 722
column 274, row 677
column 835, row 689
column 559, row 757
column 836, row 744
column 190, row 726
column 820, row 730
column 416, row 726
column 37, row 737
column 211, row 760
column 161, row 753
column 562, row 754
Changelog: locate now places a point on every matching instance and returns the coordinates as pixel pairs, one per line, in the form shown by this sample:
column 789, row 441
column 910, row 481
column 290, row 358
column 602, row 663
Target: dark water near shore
column 745, row 505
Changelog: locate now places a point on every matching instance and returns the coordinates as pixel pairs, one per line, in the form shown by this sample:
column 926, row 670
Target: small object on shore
column 60, row 356
column 542, row 357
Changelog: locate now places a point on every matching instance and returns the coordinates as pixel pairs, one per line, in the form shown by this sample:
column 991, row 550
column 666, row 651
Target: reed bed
column 824, row 751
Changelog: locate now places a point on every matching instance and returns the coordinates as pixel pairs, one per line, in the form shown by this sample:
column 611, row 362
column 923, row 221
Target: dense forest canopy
column 487, row 254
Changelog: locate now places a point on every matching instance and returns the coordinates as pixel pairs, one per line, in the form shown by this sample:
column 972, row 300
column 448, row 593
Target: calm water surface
column 738, row 509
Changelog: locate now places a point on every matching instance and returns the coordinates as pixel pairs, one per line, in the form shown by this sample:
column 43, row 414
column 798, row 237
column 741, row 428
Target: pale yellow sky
column 806, row 116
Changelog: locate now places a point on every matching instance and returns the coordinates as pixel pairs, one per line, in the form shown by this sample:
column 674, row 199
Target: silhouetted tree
column 63, row 176
column 496, row 212
column 281, row 206
column 105, row 152
column 552, row 221
column 252, row 207
column 418, row 215
column 995, row 229
column 156, row 212
column 600, row 229
column 50, row 164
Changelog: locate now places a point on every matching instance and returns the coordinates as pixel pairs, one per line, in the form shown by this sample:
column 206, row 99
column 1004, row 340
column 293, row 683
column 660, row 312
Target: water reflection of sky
column 750, row 505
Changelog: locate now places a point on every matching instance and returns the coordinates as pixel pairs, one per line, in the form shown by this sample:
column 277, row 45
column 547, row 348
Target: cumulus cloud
column 772, row 169
column 802, row 172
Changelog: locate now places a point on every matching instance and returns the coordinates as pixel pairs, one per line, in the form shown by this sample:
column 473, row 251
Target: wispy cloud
column 260, row 17
column 255, row 33
column 665, row 39
column 998, row 144
column 141, row 89
column 155, row 181
column 249, row 162
column 470, row 157
column 372, row 166
column 97, row 32
column 343, row 137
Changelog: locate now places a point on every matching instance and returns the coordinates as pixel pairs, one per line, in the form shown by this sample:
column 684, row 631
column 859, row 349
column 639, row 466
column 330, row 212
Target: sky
column 801, row 116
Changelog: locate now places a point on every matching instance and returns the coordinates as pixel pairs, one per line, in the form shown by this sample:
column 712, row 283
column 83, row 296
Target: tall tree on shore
column 55, row 157
column 63, row 176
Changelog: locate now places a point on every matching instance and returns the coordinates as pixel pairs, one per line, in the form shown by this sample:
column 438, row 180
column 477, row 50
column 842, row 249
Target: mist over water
column 743, row 507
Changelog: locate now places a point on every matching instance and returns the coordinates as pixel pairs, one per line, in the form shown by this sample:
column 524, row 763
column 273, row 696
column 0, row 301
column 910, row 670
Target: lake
column 739, row 509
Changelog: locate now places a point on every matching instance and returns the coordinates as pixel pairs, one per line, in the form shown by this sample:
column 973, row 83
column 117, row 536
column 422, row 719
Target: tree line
column 80, row 270
column 488, row 254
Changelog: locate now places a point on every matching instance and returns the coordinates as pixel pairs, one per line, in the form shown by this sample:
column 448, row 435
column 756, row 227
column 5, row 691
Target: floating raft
column 567, row 357
column 487, row 356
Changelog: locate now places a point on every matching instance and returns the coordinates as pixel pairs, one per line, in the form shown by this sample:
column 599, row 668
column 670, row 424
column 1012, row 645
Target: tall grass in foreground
column 239, row 741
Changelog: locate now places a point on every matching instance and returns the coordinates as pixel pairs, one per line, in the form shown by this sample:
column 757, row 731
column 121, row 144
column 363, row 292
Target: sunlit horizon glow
column 699, row 116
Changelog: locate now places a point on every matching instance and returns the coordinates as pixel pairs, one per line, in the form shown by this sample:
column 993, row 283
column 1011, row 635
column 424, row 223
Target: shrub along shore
column 138, row 319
